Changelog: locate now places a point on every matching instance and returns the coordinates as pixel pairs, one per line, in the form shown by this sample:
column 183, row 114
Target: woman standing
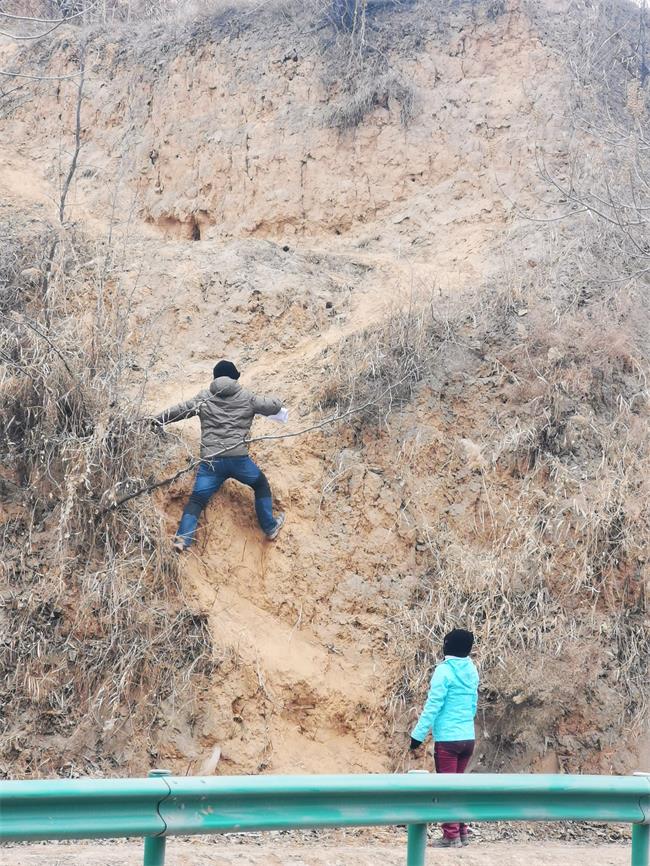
column 449, row 713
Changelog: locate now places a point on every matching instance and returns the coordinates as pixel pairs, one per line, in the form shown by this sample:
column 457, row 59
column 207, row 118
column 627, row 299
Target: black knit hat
column 225, row 368
column 458, row 642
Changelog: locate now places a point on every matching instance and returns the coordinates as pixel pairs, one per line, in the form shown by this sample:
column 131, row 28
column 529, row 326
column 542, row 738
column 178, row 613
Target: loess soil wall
column 405, row 222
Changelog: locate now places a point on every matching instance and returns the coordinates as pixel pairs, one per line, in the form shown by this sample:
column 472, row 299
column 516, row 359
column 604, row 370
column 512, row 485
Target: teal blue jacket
column 451, row 704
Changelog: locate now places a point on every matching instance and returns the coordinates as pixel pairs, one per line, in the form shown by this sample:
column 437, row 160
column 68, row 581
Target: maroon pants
column 453, row 757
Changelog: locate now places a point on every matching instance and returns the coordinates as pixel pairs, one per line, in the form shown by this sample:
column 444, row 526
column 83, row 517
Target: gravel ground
column 252, row 853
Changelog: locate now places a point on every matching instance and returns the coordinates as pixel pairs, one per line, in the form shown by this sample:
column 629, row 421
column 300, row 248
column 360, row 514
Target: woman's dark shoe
column 466, row 838
column 446, row 843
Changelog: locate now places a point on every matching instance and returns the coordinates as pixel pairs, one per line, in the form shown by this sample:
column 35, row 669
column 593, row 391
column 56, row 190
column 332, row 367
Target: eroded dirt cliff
column 244, row 215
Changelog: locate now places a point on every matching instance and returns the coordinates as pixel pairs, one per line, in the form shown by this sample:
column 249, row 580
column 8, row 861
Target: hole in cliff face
column 190, row 228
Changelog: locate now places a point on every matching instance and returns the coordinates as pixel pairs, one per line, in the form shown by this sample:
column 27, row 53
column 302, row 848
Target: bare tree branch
column 30, row 19
column 29, row 324
column 19, row 38
column 56, row 23
column 9, row 74
column 77, row 138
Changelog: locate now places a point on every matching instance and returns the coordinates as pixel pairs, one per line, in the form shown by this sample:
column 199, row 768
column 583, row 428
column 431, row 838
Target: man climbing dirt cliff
column 226, row 411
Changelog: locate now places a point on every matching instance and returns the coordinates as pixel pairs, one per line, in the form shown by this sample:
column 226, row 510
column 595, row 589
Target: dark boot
column 446, row 843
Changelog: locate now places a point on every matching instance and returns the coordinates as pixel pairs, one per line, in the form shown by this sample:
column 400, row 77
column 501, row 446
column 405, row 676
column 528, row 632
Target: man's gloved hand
column 415, row 744
column 155, row 424
column 281, row 417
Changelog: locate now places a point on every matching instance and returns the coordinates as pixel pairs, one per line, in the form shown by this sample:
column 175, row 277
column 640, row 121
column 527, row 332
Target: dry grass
column 360, row 94
column 541, row 391
column 384, row 364
column 543, row 454
column 96, row 634
column 23, row 249
column 359, row 69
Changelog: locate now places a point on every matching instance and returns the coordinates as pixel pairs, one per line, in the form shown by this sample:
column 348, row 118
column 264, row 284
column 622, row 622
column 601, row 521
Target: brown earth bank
column 414, row 223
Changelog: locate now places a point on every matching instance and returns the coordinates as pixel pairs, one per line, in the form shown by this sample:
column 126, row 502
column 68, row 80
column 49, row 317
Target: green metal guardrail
column 164, row 805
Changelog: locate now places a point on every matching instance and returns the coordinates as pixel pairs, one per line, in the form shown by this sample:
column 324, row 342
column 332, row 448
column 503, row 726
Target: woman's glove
column 415, row 744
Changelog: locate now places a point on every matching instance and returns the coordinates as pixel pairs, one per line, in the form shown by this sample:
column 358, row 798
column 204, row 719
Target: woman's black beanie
column 458, row 642
column 225, row 368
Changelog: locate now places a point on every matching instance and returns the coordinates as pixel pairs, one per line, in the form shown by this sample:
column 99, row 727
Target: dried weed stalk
column 544, row 458
column 96, row 634
column 383, row 365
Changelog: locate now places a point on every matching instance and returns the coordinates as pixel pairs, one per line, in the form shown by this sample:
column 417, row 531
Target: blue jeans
column 209, row 478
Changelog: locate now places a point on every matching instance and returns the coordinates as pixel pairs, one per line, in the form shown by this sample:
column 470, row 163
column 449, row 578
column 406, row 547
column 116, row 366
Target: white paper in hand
column 282, row 416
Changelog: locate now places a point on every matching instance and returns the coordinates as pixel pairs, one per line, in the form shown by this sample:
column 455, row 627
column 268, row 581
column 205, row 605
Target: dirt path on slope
column 249, row 854
column 310, row 687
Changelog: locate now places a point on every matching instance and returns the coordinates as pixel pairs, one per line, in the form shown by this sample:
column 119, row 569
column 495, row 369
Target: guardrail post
column 416, row 840
column 640, row 844
column 154, row 846
column 417, row 845
column 641, row 832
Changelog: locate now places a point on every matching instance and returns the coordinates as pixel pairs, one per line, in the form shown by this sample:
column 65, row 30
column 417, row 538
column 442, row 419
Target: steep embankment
column 244, row 224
